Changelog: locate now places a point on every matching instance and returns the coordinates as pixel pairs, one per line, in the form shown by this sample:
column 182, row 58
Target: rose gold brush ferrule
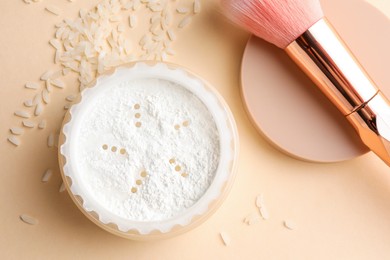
column 325, row 58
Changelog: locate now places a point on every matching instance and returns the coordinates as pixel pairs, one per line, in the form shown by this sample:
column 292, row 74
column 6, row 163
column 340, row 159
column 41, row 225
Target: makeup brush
column 301, row 30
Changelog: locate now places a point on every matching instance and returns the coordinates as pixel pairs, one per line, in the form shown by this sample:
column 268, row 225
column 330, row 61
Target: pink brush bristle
column 279, row 22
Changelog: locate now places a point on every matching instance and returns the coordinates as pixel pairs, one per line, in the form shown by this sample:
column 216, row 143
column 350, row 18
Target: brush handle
column 324, row 57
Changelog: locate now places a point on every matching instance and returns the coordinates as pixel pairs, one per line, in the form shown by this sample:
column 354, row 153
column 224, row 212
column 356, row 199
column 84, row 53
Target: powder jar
column 128, row 184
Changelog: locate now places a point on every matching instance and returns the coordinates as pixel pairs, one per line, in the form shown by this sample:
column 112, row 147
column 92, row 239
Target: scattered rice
column 225, row 238
column 197, row 6
column 58, row 83
column 16, row 130
column 96, row 42
column 169, row 51
column 32, row 85
column 38, row 109
column 53, row 9
column 42, row 124
column 45, row 96
column 28, row 123
column 14, row 140
column 65, row 71
column 156, row 8
column 21, row 113
column 70, row 98
column 252, row 219
column 171, row 35
column 56, row 44
column 259, row 200
column 37, row 98
column 45, row 76
column 50, row 140
column 48, row 85
column 62, row 187
column 264, row 212
column 57, row 57
column 186, row 21
column 28, row 103
column 182, row 10
column 132, row 20
column 28, row 219
column 290, row 224
column 47, row 175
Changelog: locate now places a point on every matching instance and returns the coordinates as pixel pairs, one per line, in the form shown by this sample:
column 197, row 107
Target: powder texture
column 148, row 149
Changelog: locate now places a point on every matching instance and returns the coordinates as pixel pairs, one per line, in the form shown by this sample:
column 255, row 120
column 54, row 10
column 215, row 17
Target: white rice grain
column 264, row 212
column 225, row 238
column 53, row 9
column 58, row 83
column 259, row 200
column 182, row 10
column 171, row 34
column 14, row 140
column 290, row 224
column 57, row 57
column 70, row 98
column 45, row 96
column 56, row 44
column 37, row 98
column 21, row 113
column 28, row 219
column 28, row 103
column 183, row 23
column 47, row 175
column 50, row 140
column 132, row 21
column 197, row 7
column 32, row 85
column 28, row 124
column 65, row 71
column 42, row 124
column 38, row 109
column 62, row 187
column 16, row 130
column 45, row 76
column 48, row 85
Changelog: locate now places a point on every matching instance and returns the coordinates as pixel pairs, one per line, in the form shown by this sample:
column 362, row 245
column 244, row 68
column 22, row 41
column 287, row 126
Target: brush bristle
column 277, row 21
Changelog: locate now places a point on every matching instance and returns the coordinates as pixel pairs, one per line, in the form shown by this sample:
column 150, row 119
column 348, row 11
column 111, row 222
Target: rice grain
column 50, row 140
column 42, row 124
column 21, row 113
column 53, row 9
column 38, row 109
column 290, row 224
column 225, row 238
column 16, row 130
column 28, row 124
column 185, row 22
column 14, row 140
column 47, row 175
column 28, row 219
column 31, row 85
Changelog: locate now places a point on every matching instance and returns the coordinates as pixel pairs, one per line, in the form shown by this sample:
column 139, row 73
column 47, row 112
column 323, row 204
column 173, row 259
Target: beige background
column 341, row 210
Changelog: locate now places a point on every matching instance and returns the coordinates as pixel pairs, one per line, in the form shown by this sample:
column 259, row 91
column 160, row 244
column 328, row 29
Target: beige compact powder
column 289, row 110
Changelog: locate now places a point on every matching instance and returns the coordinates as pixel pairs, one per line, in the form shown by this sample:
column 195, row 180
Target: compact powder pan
column 289, row 110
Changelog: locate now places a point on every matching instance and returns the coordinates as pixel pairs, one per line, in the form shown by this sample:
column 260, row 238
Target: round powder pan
column 183, row 221
column 289, row 110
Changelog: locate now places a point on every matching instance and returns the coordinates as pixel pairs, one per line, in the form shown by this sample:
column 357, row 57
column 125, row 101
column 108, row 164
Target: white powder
column 159, row 129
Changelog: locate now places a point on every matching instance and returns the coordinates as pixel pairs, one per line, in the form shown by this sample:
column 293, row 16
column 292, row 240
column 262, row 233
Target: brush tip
column 279, row 22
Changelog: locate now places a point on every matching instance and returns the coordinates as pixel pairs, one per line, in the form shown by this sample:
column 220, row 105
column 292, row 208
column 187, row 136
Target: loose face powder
column 147, row 149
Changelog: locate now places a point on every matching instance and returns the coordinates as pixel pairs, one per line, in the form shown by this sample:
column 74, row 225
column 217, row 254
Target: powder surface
column 148, row 149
